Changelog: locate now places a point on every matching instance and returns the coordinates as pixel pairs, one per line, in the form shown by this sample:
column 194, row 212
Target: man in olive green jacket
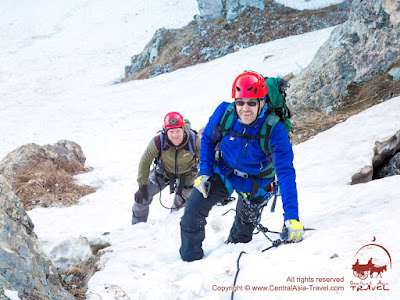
column 177, row 149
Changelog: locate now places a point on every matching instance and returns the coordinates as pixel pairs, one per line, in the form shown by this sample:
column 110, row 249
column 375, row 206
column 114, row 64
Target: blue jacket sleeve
column 209, row 139
column 282, row 157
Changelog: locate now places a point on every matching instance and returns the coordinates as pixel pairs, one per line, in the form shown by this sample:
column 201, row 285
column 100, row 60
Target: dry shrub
column 49, row 184
column 74, row 281
column 374, row 91
column 314, row 123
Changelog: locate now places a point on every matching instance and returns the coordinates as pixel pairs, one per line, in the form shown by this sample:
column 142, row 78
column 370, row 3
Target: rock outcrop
column 43, row 175
column 204, row 40
column 368, row 43
column 23, row 265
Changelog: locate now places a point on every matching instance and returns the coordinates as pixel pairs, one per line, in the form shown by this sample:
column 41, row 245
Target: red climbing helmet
column 173, row 120
column 249, row 85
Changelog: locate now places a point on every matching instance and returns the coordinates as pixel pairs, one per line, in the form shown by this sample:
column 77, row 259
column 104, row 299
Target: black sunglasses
column 249, row 103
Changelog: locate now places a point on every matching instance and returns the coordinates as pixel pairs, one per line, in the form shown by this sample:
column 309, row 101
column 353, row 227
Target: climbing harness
column 175, row 187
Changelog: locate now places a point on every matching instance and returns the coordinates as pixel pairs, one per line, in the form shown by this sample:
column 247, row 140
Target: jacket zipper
column 176, row 160
column 243, row 146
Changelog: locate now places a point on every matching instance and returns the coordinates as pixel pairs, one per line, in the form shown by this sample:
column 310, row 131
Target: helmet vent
column 249, row 85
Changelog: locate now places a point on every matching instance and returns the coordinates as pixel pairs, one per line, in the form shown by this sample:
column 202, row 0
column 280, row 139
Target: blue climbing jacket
column 247, row 156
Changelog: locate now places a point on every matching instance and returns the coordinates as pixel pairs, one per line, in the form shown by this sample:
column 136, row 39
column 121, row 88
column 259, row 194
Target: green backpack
column 277, row 111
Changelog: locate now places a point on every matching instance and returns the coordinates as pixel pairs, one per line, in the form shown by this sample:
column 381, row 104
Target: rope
column 275, row 243
column 226, row 201
column 160, row 188
column 232, row 209
column 177, row 208
column 255, row 217
column 237, row 271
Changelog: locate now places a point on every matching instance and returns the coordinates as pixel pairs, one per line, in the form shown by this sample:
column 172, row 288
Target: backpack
column 277, row 112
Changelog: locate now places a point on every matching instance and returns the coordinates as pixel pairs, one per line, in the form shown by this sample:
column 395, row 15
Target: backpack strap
column 160, row 142
column 265, row 133
column 266, row 129
column 265, row 141
column 192, row 143
column 224, row 128
column 227, row 120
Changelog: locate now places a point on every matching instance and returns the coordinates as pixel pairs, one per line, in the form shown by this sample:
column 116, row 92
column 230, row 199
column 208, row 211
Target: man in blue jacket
column 238, row 166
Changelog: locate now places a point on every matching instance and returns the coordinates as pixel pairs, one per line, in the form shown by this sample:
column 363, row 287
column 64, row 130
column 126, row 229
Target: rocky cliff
column 367, row 44
column 215, row 34
column 24, row 268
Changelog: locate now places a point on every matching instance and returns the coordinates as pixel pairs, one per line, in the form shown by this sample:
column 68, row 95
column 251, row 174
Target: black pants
column 194, row 220
column 157, row 182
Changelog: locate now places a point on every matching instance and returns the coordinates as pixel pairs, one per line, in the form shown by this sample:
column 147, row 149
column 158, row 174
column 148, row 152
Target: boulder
column 366, row 44
column 395, row 73
column 210, row 9
column 24, row 267
column 67, row 253
column 43, row 175
column 63, row 153
column 233, row 8
column 230, row 9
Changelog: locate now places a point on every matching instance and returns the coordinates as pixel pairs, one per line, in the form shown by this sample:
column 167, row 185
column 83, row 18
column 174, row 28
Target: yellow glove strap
column 198, row 180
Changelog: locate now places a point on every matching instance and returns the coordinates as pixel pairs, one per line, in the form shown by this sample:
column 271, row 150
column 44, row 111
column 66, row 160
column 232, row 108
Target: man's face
column 175, row 135
column 247, row 109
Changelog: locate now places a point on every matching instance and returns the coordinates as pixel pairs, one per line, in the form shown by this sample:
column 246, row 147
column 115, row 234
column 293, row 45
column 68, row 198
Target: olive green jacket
column 176, row 160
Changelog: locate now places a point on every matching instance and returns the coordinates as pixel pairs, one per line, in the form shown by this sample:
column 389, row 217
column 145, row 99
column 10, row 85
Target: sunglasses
column 249, row 103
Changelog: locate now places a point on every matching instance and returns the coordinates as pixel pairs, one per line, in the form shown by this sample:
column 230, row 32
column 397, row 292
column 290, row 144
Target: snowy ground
column 59, row 62
column 308, row 4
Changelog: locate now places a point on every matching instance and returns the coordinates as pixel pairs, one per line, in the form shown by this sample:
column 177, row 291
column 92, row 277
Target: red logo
column 373, row 260
column 376, row 265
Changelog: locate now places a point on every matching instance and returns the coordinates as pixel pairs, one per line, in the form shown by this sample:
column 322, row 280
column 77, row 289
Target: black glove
column 283, row 86
column 141, row 196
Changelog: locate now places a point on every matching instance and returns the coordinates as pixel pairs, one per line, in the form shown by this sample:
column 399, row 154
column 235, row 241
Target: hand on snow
column 141, row 196
column 293, row 230
column 203, row 185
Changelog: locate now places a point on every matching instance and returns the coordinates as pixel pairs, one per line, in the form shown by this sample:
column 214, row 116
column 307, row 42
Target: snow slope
column 308, row 4
column 59, row 62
